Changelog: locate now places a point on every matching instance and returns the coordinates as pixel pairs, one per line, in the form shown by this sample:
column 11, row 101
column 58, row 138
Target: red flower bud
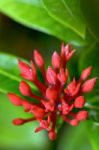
column 26, row 71
column 15, row 99
column 25, row 88
column 18, row 121
column 51, row 93
column 66, row 52
column 52, row 135
column 86, row 73
column 56, row 60
column 82, row 115
column 38, row 58
column 74, row 122
column 88, row 85
column 79, row 102
column 51, row 76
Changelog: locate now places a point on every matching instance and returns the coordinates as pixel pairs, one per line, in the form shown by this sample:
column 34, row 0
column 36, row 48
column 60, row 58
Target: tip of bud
column 56, row 60
column 86, row 73
column 38, row 58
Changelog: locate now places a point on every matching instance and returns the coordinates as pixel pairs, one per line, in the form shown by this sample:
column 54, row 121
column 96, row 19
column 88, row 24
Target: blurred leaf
column 90, row 9
column 22, row 137
column 9, row 74
column 75, row 138
column 33, row 15
column 68, row 13
column 93, row 134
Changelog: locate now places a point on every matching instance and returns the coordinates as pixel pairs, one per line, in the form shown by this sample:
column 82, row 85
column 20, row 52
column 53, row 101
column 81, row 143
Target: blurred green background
column 24, row 26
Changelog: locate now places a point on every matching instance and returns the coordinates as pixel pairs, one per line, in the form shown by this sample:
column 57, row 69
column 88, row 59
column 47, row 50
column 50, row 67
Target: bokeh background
column 17, row 40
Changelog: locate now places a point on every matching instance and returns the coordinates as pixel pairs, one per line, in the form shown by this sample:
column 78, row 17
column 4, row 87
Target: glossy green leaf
column 68, row 13
column 90, row 9
column 9, row 74
column 33, row 15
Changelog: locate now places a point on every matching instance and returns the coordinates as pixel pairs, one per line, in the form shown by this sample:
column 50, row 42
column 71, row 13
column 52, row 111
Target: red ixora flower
column 58, row 99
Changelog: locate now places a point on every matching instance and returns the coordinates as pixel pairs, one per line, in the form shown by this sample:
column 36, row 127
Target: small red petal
column 48, row 105
column 44, row 124
column 52, row 135
column 86, row 72
column 82, row 115
column 25, row 88
column 15, row 99
column 33, row 69
column 38, row 129
column 70, row 55
column 65, row 107
column 88, row 85
column 51, row 76
column 79, row 102
column 62, row 49
column 38, row 58
column 56, row 60
column 63, row 76
column 73, row 88
column 18, row 121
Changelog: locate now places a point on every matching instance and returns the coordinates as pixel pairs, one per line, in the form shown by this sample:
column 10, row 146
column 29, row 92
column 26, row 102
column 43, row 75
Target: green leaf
column 9, row 74
column 33, row 15
column 68, row 13
column 20, row 137
column 75, row 138
column 90, row 9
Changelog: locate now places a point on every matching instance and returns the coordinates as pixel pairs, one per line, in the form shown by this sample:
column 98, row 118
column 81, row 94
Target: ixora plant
column 59, row 97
